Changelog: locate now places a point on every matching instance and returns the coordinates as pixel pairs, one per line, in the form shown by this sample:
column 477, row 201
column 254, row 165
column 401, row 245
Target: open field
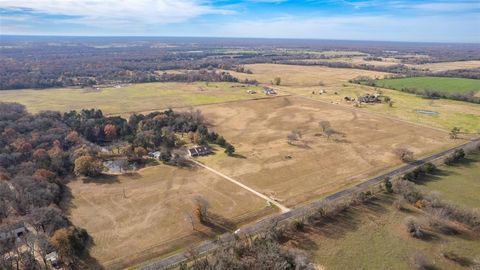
column 314, row 165
column 447, row 113
column 304, row 79
column 131, row 98
column 459, row 184
column 301, row 76
column 373, row 236
column 151, row 219
column 449, row 65
column 446, row 85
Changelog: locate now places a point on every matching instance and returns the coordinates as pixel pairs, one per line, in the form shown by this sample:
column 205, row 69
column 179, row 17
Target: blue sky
column 393, row 20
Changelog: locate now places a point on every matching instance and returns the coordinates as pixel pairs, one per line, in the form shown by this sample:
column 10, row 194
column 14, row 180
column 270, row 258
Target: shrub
column 413, row 227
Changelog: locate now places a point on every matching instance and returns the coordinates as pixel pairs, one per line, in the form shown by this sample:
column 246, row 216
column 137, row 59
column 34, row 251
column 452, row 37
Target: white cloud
column 118, row 11
column 358, row 27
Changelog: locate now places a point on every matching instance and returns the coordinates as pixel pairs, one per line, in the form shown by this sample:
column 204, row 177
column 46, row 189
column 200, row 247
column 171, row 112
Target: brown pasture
column 151, row 219
column 301, row 76
column 314, row 165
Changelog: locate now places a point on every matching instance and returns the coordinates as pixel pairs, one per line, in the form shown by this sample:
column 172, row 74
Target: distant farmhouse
column 269, row 91
column 199, row 151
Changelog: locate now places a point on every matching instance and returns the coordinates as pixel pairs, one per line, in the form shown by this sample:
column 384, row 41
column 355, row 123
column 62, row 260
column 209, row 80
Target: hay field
column 449, row 65
column 450, row 113
column 304, row 79
column 318, row 165
column 131, row 98
column 151, row 220
column 301, row 76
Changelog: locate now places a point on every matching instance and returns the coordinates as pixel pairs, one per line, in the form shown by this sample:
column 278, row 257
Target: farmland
column 303, row 76
column 373, row 236
column 145, row 215
column 459, row 184
column 314, row 165
column 302, row 80
column 131, row 98
column 447, row 85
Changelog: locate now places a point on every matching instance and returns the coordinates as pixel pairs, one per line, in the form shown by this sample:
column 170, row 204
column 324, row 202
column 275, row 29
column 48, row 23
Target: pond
column 119, row 166
column 427, row 112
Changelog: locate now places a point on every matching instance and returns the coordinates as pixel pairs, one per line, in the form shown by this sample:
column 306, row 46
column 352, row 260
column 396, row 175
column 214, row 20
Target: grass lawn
column 131, row 98
column 447, row 85
column 373, row 236
column 459, row 184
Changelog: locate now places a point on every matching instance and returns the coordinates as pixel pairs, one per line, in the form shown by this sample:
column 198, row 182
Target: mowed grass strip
column 446, row 85
column 131, row 98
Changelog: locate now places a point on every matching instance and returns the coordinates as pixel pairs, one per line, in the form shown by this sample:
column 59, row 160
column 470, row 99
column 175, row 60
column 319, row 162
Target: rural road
column 210, row 245
column 272, row 201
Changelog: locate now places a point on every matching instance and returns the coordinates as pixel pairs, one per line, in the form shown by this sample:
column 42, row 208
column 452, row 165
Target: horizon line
column 220, row 37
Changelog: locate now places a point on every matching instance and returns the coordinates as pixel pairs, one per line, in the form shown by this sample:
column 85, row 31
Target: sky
column 387, row 20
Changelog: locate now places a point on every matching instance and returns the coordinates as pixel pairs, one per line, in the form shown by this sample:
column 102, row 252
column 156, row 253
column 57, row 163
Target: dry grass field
column 131, row 98
column 151, row 219
column 315, row 165
column 450, row 65
column 447, row 113
column 302, row 80
column 301, row 76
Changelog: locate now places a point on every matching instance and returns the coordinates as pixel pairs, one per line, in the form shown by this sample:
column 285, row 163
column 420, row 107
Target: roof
column 199, row 150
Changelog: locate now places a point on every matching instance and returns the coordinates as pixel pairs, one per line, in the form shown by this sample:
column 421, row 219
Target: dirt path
column 283, row 208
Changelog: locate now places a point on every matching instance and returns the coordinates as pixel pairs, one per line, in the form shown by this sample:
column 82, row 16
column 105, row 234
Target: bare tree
column 324, row 125
column 201, row 208
column 404, row 154
column 294, row 135
column 329, row 132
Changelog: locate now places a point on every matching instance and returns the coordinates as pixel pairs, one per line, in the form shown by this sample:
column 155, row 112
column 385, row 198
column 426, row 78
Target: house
column 16, row 230
column 155, row 154
column 199, row 151
column 269, row 91
column 52, row 257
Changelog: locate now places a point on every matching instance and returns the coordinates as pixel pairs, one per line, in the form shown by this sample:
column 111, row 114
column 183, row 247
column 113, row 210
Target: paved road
column 210, row 245
column 283, row 208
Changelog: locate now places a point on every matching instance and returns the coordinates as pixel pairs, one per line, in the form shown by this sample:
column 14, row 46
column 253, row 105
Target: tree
column 88, row 166
column 294, row 135
column 324, row 125
column 229, row 149
column 277, row 81
column 329, row 132
column 221, row 141
column 140, row 152
column 404, row 154
column 388, row 185
column 110, row 132
column 201, row 206
column 454, row 133
column 72, row 138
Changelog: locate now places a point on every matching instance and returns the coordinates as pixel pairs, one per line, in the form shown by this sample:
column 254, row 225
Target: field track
column 268, row 199
column 209, row 246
